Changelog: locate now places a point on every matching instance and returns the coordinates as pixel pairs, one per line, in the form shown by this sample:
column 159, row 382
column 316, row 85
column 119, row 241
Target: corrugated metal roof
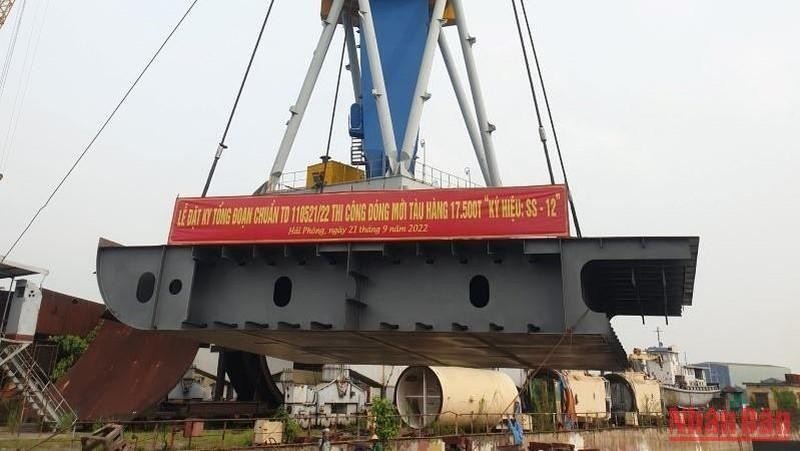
column 740, row 364
column 10, row 269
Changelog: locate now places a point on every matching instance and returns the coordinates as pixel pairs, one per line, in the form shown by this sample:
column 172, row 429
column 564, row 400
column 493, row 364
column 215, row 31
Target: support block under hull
column 502, row 303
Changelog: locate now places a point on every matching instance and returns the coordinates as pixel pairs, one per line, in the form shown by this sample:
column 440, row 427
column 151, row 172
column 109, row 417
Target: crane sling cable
column 221, row 147
column 327, row 156
column 542, row 133
column 530, row 374
column 18, row 107
column 12, row 44
column 99, row 132
column 572, row 206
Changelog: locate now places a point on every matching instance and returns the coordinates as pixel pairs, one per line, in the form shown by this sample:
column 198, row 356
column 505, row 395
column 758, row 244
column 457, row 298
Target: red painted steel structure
column 62, row 314
column 125, row 372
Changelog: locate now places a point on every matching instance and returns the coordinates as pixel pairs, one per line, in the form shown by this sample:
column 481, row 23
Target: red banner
column 431, row 214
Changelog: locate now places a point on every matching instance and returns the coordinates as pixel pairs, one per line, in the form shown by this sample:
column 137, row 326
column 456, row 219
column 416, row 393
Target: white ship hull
column 680, row 397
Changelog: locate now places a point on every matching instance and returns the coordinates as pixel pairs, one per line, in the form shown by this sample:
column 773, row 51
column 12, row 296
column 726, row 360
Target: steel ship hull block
column 503, row 303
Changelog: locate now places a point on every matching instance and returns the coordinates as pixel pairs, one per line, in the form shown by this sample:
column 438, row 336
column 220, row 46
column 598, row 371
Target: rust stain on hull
column 125, row 372
column 62, row 314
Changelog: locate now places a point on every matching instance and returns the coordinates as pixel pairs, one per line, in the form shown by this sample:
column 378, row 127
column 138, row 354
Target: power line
column 99, row 131
column 572, row 206
column 542, row 134
column 222, row 145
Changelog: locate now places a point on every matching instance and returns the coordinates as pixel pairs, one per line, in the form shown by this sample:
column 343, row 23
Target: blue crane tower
column 391, row 46
column 401, row 45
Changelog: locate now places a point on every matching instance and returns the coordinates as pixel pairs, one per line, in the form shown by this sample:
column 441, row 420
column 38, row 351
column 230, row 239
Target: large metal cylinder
column 454, row 396
column 634, row 392
column 576, row 396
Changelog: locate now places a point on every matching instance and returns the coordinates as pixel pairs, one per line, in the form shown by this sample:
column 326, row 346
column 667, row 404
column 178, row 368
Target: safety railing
column 441, row 179
column 36, row 385
column 292, row 181
column 354, row 428
column 308, row 428
column 435, row 178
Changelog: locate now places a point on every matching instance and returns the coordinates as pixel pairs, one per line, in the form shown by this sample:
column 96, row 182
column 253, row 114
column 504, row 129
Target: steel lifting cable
column 542, row 134
column 99, row 131
column 221, row 147
column 7, row 66
column 11, row 46
column 327, row 156
column 572, row 206
column 530, row 374
column 24, row 84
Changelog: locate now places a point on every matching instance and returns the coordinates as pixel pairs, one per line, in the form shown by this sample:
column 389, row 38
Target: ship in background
column 682, row 385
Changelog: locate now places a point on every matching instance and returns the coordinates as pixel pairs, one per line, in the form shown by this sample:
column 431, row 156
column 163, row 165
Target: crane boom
column 5, row 10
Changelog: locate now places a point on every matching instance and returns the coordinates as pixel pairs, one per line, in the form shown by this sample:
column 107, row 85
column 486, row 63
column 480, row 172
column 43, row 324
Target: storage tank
column 454, row 396
column 633, row 391
column 574, row 396
column 590, row 394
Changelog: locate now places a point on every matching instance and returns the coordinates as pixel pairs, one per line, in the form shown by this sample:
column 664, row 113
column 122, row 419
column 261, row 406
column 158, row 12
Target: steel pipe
column 466, row 109
column 299, row 108
column 486, row 128
column 369, row 38
column 421, row 91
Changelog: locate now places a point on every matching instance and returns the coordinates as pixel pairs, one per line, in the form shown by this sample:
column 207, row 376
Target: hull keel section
column 502, row 303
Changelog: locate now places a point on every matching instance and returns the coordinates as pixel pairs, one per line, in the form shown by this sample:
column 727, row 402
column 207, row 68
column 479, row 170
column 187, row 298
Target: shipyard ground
column 140, row 440
column 653, row 439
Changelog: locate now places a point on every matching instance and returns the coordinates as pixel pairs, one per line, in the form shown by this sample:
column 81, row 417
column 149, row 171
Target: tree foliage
column 385, row 418
column 786, row 400
column 70, row 348
column 291, row 428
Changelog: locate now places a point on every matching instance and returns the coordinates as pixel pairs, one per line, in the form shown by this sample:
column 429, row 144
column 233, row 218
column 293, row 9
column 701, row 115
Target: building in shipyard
column 728, row 374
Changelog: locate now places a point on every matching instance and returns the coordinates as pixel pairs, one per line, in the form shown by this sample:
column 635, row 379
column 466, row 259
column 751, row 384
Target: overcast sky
column 676, row 118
